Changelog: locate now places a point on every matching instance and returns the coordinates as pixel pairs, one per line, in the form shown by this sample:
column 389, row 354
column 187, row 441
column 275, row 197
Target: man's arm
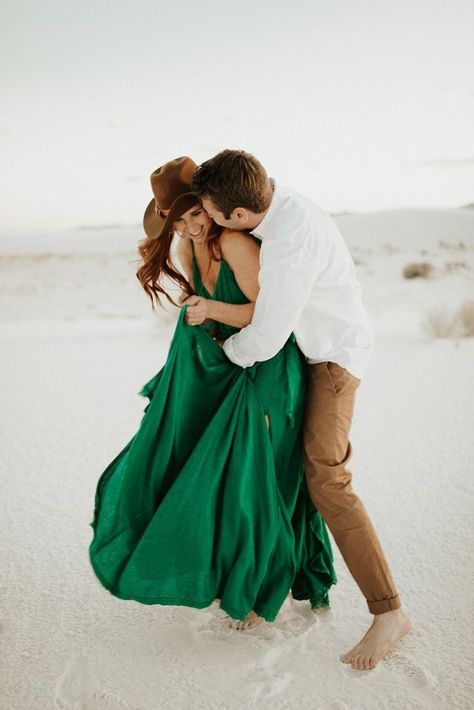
column 288, row 272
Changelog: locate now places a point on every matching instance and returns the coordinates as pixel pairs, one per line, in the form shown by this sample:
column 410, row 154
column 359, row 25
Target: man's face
column 235, row 221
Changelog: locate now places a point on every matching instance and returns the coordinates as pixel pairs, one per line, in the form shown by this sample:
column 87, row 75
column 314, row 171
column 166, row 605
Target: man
column 308, row 286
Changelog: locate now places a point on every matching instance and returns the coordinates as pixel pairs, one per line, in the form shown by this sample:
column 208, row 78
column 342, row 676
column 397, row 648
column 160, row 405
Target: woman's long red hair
column 157, row 263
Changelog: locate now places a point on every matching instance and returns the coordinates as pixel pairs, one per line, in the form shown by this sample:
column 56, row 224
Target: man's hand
column 197, row 311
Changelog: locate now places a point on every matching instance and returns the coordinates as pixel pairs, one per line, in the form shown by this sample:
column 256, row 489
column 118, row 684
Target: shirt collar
column 265, row 228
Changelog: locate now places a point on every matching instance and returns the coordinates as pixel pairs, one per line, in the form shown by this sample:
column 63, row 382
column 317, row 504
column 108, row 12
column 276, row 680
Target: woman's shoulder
column 184, row 252
column 235, row 244
column 184, row 247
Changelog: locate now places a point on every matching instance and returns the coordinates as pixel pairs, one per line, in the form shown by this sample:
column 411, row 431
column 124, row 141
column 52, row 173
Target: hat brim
column 155, row 225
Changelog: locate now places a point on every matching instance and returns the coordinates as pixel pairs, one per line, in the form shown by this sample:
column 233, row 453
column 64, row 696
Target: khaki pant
column 329, row 409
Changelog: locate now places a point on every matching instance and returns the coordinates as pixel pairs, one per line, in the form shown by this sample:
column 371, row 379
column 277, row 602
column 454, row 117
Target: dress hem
column 169, row 600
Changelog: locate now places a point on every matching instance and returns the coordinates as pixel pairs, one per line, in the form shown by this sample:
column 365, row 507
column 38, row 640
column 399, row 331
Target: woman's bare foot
column 385, row 631
column 251, row 621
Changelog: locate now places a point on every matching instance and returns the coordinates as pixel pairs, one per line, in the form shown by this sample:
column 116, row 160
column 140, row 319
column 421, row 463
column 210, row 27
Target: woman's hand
column 197, row 311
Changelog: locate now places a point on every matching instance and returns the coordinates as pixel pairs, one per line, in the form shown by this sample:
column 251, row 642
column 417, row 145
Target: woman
column 208, row 500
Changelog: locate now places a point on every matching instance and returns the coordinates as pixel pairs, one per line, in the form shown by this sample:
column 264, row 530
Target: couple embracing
column 239, row 465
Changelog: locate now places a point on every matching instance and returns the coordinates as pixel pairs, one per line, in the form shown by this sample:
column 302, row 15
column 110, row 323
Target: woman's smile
column 194, row 224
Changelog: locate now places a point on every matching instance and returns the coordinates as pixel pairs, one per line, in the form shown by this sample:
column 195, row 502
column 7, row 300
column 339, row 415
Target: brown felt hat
column 171, row 186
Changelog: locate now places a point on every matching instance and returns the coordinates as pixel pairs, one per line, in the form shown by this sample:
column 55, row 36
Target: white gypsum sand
column 78, row 340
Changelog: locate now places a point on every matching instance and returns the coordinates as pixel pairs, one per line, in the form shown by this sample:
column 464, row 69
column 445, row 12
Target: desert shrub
column 390, row 249
column 447, row 245
column 440, row 323
column 452, row 266
column 423, row 269
column 466, row 316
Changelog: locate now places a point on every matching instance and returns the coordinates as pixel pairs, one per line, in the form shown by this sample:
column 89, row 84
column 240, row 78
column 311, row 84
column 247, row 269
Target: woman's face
column 193, row 224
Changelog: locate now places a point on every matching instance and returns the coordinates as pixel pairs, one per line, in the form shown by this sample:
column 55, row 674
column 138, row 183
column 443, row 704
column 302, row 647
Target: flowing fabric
column 207, row 501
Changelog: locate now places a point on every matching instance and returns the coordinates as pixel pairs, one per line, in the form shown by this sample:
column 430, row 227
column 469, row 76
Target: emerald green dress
column 206, row 502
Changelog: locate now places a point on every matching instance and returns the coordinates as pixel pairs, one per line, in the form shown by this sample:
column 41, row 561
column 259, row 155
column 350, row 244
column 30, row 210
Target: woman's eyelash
column 180, row 219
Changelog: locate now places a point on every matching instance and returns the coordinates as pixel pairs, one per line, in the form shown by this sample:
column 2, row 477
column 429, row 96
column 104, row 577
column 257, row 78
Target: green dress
column 206, row 502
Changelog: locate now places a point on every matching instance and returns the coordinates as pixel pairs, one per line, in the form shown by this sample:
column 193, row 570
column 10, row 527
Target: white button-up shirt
column 308, row 286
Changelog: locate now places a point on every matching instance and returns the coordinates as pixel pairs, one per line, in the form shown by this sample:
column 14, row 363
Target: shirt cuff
column 228, row 348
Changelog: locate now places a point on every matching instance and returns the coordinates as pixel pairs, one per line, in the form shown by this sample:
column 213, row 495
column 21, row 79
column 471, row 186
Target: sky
column 360, row 105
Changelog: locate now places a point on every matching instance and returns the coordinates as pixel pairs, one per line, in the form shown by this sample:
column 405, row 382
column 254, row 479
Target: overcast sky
column 361, row 105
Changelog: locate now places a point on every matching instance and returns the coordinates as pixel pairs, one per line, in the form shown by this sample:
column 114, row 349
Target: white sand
column 78, row 342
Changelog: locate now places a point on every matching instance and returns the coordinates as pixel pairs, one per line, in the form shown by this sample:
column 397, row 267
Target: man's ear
column 241, row 214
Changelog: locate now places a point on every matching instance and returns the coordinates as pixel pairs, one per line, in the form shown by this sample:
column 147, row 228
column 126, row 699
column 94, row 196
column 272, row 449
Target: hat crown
column 171, row 180
column 171, row 186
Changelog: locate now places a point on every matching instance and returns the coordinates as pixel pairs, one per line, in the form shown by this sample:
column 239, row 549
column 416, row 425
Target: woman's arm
column 202, row 309
column 242, row 254
column 238, row 315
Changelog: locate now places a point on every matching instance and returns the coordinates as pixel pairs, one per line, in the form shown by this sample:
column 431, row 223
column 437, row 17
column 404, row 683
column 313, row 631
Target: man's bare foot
column 385, row 631
column 250, row 622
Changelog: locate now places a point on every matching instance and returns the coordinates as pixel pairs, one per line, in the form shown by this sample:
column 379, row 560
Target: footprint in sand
column 402, row 672
column 396, row 671
column 79, row 689
column 268, row 684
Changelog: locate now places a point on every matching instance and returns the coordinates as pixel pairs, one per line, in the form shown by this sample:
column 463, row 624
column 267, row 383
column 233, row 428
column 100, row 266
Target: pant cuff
column 380, row 607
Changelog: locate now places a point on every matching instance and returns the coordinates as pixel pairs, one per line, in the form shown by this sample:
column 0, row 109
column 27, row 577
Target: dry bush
column 447, row 245
column 466, row 316
column 390, row 249
column 423, row 269
column 440, row 323
column 452, row 266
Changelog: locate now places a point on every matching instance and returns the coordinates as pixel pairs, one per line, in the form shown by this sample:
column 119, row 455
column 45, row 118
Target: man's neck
column 257, row 219
column 259, row 216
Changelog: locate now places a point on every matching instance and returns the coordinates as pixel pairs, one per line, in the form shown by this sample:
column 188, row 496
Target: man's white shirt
column 308, row 286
